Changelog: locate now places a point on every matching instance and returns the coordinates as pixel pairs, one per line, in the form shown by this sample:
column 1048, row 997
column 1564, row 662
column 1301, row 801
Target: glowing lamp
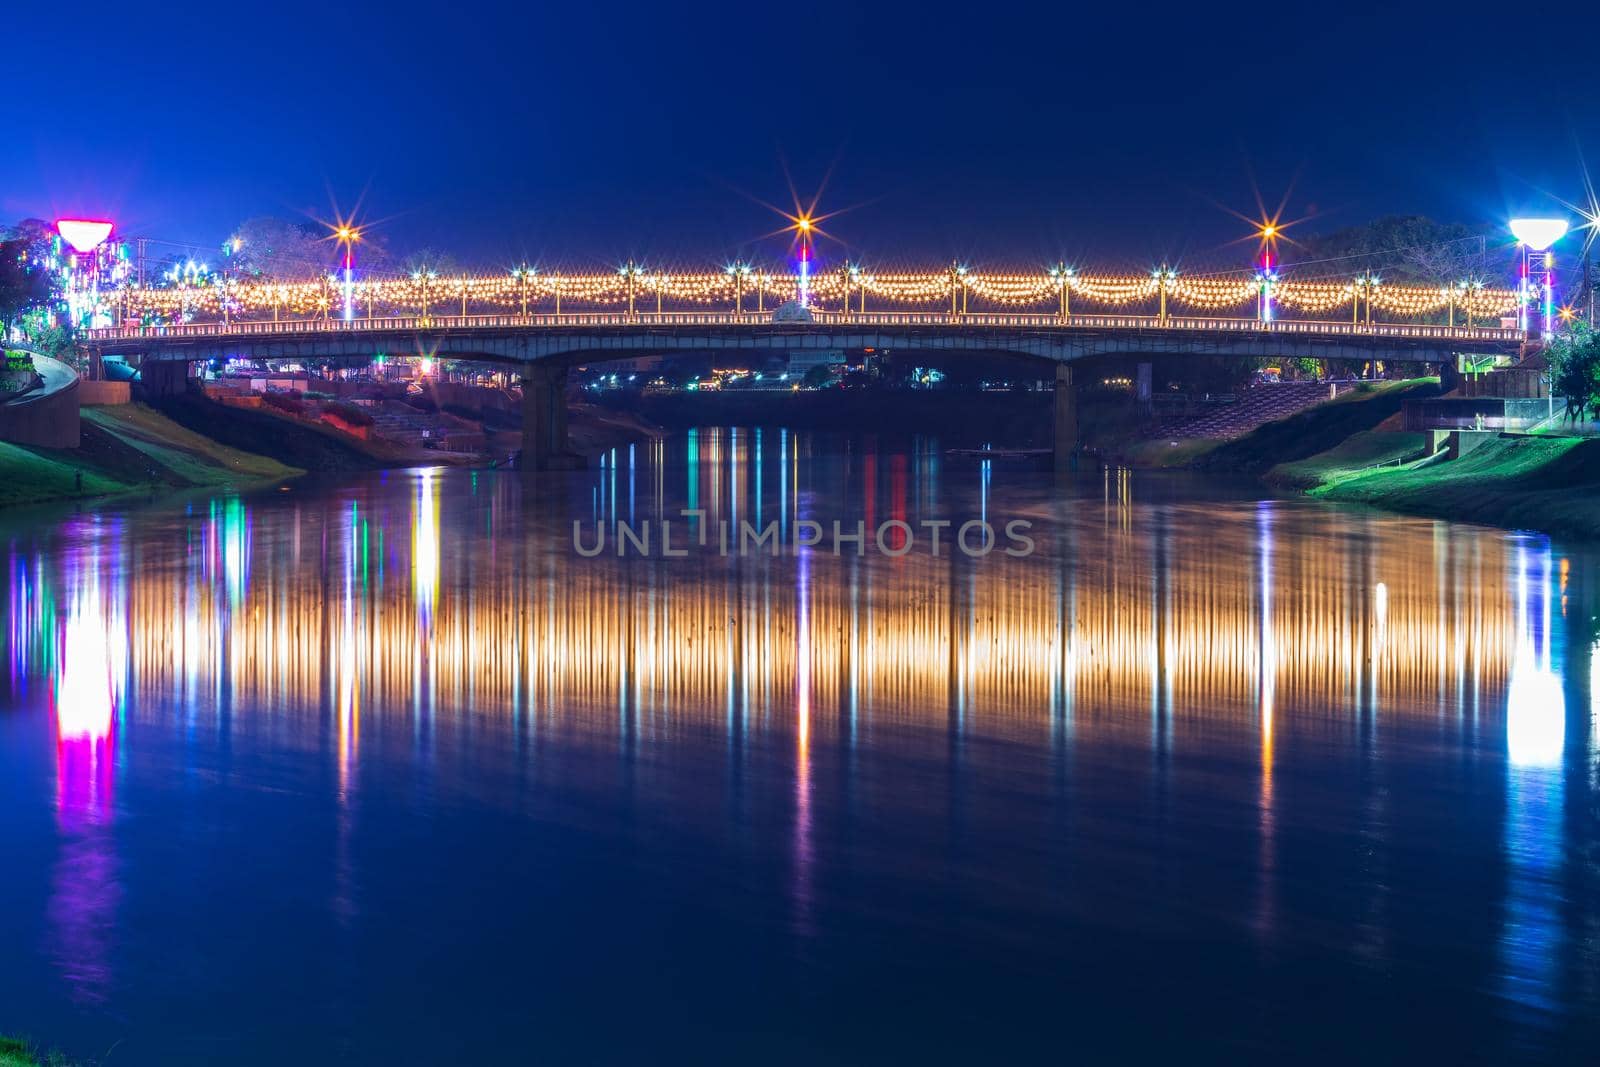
column 1538, row 234
column 84, row 235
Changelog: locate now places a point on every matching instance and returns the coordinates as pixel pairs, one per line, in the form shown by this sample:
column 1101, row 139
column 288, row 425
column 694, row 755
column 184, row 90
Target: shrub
column 348, row 413
column 285, row 402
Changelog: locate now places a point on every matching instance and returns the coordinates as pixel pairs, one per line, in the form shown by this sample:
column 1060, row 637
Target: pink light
column 84, row 235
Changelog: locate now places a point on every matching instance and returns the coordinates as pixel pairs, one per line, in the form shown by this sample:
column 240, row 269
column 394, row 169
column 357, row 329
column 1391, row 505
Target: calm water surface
column 385, row 771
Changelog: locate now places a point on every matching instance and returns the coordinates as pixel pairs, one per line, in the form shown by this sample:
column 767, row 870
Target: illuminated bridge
column 544, row 323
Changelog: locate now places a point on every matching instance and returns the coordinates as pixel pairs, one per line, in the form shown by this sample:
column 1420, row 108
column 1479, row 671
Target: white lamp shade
column 1538, row 234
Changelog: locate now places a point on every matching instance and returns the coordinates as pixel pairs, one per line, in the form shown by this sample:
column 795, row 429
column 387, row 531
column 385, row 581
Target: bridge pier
column 161, row 379
column 1066, row 407
column 544, row 419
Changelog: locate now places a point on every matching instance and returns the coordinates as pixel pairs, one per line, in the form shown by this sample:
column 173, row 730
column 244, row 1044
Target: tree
column 42, row 334
column 424, row 260
column 818, row 376
column 276, row 249
column 1573, row 360
column 1406, row 248
column 24, row 282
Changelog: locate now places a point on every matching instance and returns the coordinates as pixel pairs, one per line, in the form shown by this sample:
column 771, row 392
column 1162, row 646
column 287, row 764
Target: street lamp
column 849, row 273
column 1267, row 279
column 1062, row 275
column 738, row 271
column 1164, row 277
column 524, row 276
column 347, row 237
column 424, row 277
column 1534, row 237
column 861, row 287
column 1267, row 276
column 1364, row 285
column 659, row 282
column 630, row 271
column 958, row 280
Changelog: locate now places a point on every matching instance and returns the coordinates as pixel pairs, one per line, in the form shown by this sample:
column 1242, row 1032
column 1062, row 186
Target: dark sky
column 584, row 133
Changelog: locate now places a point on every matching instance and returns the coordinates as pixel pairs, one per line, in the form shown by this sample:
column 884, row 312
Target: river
column 390, row 770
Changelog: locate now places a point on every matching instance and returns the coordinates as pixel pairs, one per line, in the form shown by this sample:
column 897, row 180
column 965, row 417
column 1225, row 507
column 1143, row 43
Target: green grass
column 1364, row 450
column 126, row 448
column 195, row 459
column 27, row 477
column 17, row 1052
column 1550, row 484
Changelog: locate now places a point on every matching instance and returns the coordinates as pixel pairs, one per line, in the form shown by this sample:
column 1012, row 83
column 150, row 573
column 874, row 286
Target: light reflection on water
column 1061, row 734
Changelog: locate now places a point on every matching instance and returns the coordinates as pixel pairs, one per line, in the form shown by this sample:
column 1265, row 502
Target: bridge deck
column 1492, row 336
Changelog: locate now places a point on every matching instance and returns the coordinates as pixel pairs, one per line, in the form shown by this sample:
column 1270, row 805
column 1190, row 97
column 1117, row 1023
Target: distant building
column 803, row 360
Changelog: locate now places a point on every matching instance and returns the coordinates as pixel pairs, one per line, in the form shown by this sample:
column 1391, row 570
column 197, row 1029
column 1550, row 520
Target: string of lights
column 191, row 293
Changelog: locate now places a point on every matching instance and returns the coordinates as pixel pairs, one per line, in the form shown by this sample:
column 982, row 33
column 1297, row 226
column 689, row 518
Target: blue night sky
column 593, row 132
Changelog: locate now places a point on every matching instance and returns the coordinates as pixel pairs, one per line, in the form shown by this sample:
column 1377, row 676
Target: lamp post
column 1164, row 277
column 660, row 282
column 738, row 271
column 1062, row 274
column 424, row 277
column 630, row 272
column 1267, row 278
column 1534, row 238
column 524, row 276
column 348, row 236
column 861, row 288
column 1365, row 284
column 958, row 280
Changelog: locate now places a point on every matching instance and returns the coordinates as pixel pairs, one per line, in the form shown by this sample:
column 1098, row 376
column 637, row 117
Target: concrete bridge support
column 162, row 379
column 544, row 419
column 1066, row 405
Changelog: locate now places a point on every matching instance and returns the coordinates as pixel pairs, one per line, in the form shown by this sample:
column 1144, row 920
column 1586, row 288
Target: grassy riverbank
column 1537, row 483
column 124, row 449
column 1362, row 451
column 1340, row 451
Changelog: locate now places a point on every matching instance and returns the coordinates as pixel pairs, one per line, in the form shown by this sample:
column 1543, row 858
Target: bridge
column 166, row 329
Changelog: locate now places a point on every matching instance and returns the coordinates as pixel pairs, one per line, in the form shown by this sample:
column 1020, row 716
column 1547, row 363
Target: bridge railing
column 645, row 319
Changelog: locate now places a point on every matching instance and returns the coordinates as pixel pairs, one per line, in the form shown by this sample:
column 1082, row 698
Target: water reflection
column 91, row 664
column 1534, row 845
column 1294, row 667
column 1246, row 620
